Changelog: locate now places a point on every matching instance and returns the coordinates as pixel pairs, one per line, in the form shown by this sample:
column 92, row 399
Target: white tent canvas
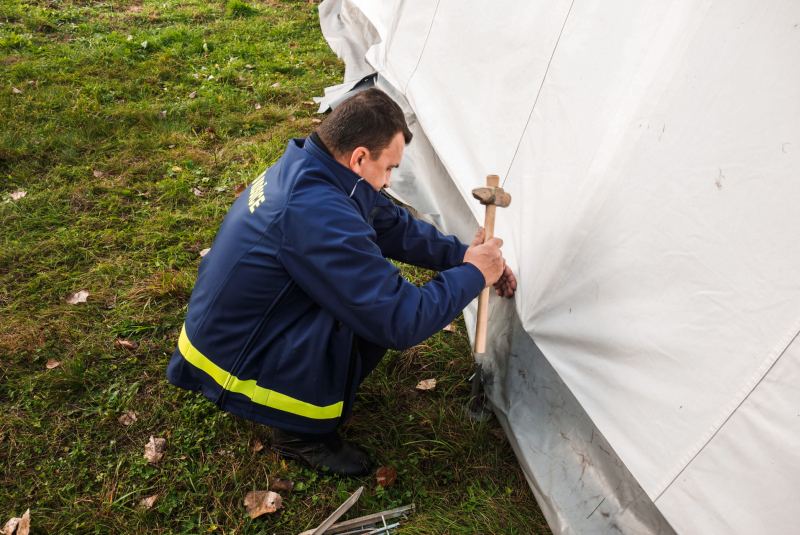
column 647, row 372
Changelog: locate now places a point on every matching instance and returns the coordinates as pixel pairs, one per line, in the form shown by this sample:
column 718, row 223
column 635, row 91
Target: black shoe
column 324, row 451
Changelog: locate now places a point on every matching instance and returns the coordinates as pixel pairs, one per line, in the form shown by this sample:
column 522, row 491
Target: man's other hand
column 488, row 258
column 506, row 285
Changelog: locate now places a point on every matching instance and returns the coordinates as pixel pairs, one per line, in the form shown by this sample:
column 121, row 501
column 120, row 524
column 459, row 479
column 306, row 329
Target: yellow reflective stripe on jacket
column 249, row 388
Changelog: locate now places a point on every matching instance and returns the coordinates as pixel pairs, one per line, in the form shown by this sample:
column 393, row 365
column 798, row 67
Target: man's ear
column 357, row 158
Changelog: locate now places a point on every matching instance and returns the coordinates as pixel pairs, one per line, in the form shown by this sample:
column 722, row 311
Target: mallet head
column 492, row 196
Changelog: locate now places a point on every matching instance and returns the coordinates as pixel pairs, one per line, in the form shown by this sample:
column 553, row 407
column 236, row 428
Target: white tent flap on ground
column 647, row 373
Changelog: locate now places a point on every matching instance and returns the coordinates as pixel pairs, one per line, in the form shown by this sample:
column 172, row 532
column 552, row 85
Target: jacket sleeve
column 404, row 238
column 330, row 252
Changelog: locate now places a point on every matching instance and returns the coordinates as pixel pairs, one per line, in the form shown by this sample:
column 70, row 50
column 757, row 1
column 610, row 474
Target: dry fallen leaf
column 193, row 94
column 291, row 118
column 119, row 343
column 77, row 297
column 239, row 189
column 171, row 146
column 98, row 174
column 276, row 85
column 427, row 384
column 17, row 195
column 387, row 475
column 147, row 502
column 258, row 106
column 197, row 192
column 52, row 363
column 128, row 418
column 20, row 526
column 248, row 66
column 450, row 328
column 33, row 83
column 16, row 91
column 11, row 526
column 154, row 450
column 162, row 114
column 259, row 502
column 24, row 527
column 316, row 120
column 257, row 446
column 204, row 252
column 177, row 169
column 277, row 484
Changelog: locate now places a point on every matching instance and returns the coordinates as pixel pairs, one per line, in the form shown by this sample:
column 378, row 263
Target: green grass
column 95, row 77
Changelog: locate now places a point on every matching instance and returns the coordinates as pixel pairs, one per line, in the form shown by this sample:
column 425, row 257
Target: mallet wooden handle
column 492, row 181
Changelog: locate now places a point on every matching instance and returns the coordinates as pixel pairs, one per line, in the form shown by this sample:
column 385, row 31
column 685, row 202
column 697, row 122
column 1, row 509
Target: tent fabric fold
column 644, row 371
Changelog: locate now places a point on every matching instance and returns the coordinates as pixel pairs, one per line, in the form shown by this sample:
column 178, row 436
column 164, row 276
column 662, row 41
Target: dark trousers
column 371, row 355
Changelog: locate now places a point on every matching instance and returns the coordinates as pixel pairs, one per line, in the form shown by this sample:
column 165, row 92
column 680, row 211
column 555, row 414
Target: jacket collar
column 355, row 187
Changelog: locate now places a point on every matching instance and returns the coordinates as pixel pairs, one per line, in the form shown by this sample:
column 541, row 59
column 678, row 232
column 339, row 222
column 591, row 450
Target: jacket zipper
column 253, row 337
column 351, row 366
column 351, row 371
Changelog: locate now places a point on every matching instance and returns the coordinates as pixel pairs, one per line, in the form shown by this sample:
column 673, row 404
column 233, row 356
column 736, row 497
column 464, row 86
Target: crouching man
column 296, row 303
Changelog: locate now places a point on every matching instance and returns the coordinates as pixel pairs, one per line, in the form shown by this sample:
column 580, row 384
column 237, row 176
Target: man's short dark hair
column 369, row 119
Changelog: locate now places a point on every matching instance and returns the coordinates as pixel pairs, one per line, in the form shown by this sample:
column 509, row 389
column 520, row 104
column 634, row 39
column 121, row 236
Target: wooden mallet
column 491, row 196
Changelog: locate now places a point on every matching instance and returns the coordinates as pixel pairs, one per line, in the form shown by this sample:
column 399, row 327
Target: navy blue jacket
column 296, row 269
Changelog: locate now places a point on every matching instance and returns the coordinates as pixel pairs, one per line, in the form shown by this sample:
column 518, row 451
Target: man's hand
column 506, row 285
column 488, row 258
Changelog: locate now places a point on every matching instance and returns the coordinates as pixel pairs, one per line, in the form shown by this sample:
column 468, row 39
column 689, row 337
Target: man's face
column 378, row 172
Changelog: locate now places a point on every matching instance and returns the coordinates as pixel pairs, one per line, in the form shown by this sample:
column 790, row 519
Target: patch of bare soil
column 10, row 60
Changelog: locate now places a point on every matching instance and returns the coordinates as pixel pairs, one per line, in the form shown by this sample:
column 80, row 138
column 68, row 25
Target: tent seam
column 536, row 100
column 731, row 407
column 425, row 44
